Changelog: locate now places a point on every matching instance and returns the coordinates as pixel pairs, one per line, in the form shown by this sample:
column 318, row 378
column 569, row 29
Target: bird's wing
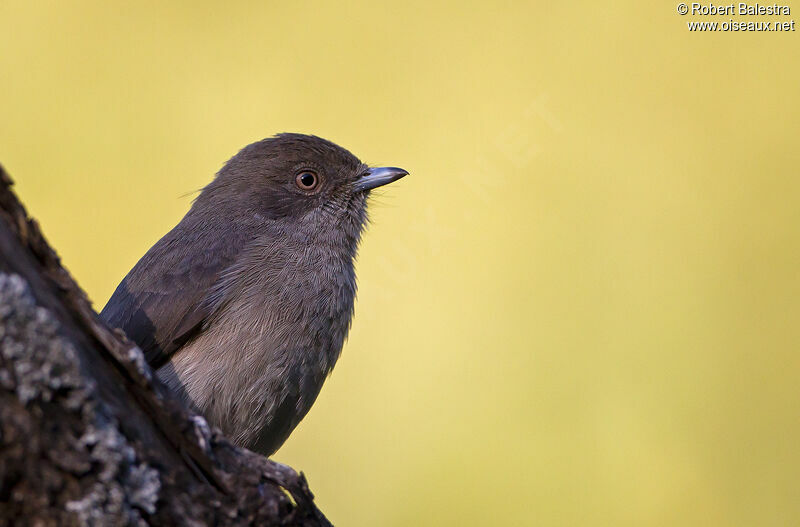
column 165, row 299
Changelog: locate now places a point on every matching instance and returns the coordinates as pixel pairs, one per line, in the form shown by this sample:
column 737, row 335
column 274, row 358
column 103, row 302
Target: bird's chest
column 302, row 308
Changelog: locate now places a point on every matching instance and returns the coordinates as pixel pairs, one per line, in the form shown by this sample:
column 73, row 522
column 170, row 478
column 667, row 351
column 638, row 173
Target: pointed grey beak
column 379, row 176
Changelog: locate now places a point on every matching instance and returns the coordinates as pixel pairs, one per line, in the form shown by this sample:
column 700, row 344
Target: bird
column 242, row 309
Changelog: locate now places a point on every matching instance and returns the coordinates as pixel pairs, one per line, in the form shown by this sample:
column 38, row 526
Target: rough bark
column 87, row 437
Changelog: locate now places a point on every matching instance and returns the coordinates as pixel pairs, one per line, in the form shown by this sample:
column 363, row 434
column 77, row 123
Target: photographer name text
column 741, row 9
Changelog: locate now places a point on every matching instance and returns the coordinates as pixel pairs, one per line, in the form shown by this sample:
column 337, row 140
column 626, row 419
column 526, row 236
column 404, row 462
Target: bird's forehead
column 298, row 148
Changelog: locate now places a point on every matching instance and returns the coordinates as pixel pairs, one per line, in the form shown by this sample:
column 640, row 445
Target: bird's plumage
column 165, row 298
column 244, row 306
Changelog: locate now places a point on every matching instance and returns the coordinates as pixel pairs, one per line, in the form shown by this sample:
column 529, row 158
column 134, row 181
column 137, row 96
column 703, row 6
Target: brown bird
column 244, row 306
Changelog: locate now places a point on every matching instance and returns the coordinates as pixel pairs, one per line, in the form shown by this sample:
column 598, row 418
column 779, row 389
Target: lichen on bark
column 42, row 370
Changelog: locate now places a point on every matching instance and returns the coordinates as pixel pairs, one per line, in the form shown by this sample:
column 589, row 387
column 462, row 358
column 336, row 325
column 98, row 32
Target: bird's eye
column 306, row 180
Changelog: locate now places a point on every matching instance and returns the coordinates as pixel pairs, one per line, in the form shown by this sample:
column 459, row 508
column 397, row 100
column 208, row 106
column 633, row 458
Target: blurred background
column 582, row 306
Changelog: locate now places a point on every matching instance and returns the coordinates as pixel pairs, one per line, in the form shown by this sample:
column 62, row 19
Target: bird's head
column 297, row 179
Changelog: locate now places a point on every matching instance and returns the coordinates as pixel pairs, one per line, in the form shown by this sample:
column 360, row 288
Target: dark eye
column 306, row 180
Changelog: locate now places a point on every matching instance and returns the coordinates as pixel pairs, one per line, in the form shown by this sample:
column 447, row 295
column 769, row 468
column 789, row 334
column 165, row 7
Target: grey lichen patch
column 136, row 356
column 39, row 366
column 122, row 482
column 202, row 431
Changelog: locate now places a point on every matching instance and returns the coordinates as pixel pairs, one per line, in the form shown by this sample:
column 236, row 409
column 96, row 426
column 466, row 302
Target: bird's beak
column 379, row 176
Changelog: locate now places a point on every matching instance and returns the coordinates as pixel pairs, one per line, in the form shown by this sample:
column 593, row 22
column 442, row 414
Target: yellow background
column 582, row 306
